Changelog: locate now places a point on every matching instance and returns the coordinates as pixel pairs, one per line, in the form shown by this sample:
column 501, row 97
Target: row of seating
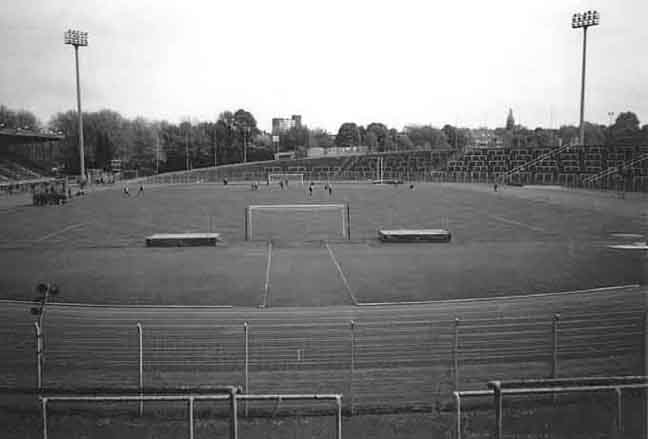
column 413, row 164
column 579, row 160
column 11, row 171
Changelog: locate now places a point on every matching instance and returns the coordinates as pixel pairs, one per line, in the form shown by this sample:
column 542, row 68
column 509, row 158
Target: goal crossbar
column 297, row 206
column 299, row 176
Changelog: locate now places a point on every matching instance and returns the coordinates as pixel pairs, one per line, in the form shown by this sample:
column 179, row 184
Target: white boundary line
column 115, row 305
column 440, row 302
column 58, row 232
column 515, row 297
column 342, row 276
column 266, row 287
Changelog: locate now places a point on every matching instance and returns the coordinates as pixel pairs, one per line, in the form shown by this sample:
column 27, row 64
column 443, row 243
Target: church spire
column 510, row 121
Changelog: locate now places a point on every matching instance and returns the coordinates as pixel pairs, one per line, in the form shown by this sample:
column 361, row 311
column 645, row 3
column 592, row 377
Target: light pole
column 584, row 20
column 246, row 134
column 187, row 151
column 77, row 38
column 610, row 115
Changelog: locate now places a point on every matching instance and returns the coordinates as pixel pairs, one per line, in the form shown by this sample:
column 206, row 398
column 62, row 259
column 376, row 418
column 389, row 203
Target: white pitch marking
column 58, row 232
column 341, row 273
column 517, row 223
column 266, row 287
column 635, row 246
column 627, row 235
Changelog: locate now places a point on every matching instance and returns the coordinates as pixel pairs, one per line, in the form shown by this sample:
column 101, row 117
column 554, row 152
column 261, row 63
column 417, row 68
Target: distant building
column 510, row 121
column 281, row 125
column 485, row 138
column 336, row 151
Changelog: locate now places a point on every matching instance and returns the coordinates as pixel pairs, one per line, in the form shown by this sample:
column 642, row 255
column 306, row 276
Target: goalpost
column 290, row 176
column 297, row 222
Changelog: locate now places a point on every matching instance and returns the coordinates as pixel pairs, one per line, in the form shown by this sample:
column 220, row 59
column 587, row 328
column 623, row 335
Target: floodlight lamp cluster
column 44, row 290
column 585, row 19
column 76, row 38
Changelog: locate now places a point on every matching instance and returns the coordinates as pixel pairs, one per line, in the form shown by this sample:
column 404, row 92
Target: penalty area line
column 517, row 223
column 266, row 286
column 342, row 276
column 58, row 232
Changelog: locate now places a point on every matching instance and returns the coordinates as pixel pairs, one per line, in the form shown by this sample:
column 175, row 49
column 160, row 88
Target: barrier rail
column 228, row 393
column 497, row 389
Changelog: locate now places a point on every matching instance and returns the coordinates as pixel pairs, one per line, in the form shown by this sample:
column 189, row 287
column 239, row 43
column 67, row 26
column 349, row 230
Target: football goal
column 297, row 222
column 277, row 177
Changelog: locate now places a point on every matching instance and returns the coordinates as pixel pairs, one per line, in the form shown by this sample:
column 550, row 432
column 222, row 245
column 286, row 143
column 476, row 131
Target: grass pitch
column 515, row 241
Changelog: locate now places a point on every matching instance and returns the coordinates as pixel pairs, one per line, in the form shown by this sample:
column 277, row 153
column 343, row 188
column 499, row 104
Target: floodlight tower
column 584, row 20
column 77, row 38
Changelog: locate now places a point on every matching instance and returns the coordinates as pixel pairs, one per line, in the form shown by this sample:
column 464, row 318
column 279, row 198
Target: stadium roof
column 11, row 136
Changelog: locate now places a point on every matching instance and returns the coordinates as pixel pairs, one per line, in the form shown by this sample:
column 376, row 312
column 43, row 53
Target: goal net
column 277, row 177
column 297, row 222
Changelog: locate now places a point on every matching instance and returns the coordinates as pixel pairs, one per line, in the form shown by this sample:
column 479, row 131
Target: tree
column 456, row 137
column 568, row 134
column 143, row 140
column 293, row 138
column 321, row 139
column 372, row 141
column 380, row 131
column 246, row 121
column 348, row 135
column 403, row 142
column 18, row 119
column 426, row 136
column 625, row 131
column 594, row 134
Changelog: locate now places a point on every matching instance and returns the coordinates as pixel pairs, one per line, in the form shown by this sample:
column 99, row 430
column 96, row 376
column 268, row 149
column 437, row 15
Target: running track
column 402, row 355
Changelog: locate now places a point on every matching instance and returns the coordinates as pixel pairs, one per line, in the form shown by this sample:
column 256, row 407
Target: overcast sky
column 398, row 62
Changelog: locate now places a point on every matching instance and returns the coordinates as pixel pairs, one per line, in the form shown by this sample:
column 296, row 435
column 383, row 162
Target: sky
column 332, row 61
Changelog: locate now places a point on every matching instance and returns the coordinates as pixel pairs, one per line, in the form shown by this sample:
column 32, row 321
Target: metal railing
column 227, row 393
column 497, row 390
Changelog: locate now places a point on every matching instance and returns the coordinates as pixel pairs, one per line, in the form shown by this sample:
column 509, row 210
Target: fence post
column 44, row 416
column 351, row 399
column 645, row 371
column 39, row 353
column 246, row 216
column 458, row 414
column 619, row 411
column 233, row 415
column 497, row 395
column 141, row 367
column 191, row 418
column 455, row 355
column 245, row 363
column 338, row 417
column 554, row 347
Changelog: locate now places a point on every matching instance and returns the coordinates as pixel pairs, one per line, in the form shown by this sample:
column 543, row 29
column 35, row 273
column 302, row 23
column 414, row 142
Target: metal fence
column 615, row 386
column 229, row 394
column 391, row 358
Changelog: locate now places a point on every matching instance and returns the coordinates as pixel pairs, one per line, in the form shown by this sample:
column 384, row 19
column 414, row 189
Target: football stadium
column 214, row 279
column 297, row 294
